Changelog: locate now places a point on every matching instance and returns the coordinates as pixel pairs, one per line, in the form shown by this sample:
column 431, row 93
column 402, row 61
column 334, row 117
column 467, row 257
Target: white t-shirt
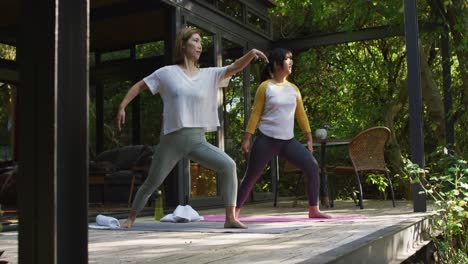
column 275, row 107
column 188, row 102
column 277, row 120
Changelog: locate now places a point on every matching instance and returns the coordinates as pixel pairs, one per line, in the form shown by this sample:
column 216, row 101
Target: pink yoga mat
column 273, row 218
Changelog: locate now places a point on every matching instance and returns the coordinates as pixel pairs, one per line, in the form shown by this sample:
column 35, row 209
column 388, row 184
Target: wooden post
column 37, row 44
column 72, row 131
column 52, row 153
column 415, row 98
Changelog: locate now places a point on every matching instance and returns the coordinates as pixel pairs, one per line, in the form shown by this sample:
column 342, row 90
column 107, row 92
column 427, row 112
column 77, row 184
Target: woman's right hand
column 136, row 89
column 120, row 118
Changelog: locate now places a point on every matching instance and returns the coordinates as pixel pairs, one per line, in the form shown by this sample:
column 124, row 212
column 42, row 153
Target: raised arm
column 243, row 61
column 135, row 90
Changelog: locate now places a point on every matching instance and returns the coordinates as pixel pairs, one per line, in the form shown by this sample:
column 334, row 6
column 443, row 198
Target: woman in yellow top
column 276, row 104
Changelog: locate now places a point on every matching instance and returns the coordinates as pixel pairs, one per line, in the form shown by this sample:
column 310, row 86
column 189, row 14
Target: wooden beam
column 124, row 9
column 415, row 98
column 126, row 69
column 351, row 36
column 9, row 34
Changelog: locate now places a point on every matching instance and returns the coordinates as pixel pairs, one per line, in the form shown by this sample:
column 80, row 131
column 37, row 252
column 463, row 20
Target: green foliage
column 379, row 180
column 343, row 85
column 7, row 52
column 115, row 55
column 293, row 17
column 357, row 85
column 149, row 49
column 445, row 181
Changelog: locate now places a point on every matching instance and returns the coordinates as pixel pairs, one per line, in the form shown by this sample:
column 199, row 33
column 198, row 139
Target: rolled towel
column 102, row 220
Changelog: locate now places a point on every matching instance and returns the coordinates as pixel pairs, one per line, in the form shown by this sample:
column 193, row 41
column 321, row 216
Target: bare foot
column 319, row 215
column 234, row 224
column 130, row 220
column 128, row 223
column 314, row 212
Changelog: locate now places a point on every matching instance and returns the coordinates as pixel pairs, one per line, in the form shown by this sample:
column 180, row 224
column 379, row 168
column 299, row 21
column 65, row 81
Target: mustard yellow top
column 275, row 107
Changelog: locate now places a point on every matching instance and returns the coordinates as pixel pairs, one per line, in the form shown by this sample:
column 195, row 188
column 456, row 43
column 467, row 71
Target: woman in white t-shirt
column 189, row 94
column 277, row 103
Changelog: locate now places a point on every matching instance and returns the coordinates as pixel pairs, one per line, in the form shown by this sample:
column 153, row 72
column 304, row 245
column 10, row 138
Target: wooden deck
column 386, row 235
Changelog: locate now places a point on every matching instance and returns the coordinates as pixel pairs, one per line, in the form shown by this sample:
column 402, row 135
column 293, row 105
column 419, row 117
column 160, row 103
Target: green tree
column 356, row 85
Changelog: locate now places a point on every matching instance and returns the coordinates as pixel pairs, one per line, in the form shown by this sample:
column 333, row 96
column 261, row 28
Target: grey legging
column 190, row 143
column 264, row 149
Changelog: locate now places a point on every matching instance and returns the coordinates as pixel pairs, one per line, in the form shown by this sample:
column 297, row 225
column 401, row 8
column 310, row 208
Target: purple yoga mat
column 273, row 218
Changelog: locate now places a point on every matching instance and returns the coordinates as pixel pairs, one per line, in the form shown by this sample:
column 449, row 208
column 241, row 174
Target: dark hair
column 277, row 56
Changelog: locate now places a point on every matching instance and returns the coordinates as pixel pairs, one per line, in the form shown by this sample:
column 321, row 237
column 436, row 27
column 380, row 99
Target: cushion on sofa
column 127, row 156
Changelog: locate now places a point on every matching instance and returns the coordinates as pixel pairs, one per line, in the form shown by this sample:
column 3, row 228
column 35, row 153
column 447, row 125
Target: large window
column 257, row 21
column 116, row 55
column 150, row 49
column 231, row 8
column 233, row 107
column 7, row 52
column 7, row 120
column 237, row 10
column 113, row 73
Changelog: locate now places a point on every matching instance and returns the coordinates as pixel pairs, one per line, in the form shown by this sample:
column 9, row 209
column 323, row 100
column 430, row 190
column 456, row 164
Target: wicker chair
column 366, row 152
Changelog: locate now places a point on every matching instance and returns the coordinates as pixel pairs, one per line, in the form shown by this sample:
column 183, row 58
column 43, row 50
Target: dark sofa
column 124, row 169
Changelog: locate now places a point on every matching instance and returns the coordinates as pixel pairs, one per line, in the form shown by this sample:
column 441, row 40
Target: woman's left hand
column 310, row 145
column 310, row 142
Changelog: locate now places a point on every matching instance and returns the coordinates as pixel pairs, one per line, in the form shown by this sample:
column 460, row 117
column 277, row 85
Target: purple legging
column 264, row 149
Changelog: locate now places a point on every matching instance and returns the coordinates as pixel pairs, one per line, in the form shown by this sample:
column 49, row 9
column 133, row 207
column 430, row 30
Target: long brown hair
column 183, row 35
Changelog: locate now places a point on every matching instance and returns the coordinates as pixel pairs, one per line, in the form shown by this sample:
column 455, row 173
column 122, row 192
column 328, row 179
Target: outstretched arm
column 132, row 93
column 243, row 61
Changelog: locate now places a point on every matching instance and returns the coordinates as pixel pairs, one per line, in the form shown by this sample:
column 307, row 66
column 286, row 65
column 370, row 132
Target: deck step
column 392, row 244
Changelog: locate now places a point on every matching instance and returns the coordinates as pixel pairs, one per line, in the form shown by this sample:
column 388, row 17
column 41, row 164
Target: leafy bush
column 445, row 181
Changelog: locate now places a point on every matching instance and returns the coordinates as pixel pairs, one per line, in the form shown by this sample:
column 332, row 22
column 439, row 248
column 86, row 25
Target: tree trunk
column 432, row 98
column 454, row 15
column 393, row 152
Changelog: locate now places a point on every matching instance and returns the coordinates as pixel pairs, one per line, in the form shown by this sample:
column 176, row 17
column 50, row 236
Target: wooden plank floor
column 319, row 242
